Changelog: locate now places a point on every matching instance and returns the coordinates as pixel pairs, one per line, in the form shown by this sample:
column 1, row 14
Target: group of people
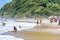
column 55, row 19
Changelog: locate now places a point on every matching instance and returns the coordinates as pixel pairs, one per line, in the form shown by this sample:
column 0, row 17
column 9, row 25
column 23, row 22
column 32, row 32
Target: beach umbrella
column 50, row 17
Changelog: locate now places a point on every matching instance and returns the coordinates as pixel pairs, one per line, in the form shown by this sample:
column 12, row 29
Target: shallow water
column 9, row 27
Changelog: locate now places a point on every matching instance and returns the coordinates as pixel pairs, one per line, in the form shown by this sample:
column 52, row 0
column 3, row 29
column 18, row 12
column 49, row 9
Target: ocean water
column 9, row 27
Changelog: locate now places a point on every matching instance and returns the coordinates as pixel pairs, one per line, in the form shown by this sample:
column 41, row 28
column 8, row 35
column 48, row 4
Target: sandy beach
column 44, row 31
column 35, row 35
column 38, row 33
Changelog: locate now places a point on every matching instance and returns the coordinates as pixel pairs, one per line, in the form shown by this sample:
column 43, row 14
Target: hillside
column 31, row 8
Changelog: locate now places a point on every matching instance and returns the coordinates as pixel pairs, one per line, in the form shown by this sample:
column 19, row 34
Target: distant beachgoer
column 59, row 22
column 37, row 21
column 15, row 29
column 40, row 21
column 3, row 23
column 51, row 20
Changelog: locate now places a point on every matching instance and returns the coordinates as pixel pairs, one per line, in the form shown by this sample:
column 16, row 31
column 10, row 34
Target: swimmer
column 15, row 30
column 20, row 26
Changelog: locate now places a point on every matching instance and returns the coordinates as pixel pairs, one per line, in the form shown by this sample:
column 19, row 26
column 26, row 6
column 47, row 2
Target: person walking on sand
column 37, row 21
column 40, row 21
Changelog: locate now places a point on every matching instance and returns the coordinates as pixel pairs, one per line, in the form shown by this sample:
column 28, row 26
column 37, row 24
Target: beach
column 32, row 31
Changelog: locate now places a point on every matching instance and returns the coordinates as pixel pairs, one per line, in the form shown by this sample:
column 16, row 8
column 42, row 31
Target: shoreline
column 36, row 34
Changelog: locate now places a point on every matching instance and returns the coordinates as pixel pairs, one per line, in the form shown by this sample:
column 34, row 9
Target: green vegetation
column 31, row 8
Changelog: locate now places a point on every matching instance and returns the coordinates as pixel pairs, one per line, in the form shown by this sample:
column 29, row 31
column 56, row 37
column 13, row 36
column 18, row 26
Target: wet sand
column 31, row 35
column 42, row 27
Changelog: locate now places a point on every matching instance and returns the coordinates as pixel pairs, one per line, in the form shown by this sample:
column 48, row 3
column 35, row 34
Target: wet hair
column 15, row 29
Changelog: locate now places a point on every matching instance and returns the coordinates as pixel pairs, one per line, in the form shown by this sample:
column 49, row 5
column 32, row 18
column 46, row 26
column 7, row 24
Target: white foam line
column 6, row 37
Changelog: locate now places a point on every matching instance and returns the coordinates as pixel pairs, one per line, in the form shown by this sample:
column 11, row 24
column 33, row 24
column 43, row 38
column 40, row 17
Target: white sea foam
column 6, row 37
column 9, row 26
column 11, row 23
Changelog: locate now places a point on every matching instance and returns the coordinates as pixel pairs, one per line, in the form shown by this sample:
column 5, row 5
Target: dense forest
column 31, row 8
